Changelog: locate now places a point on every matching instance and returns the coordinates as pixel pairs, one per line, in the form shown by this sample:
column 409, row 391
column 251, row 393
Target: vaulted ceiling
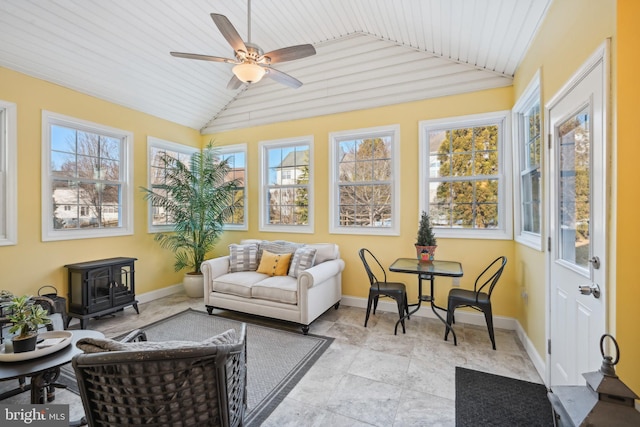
column 369, row 52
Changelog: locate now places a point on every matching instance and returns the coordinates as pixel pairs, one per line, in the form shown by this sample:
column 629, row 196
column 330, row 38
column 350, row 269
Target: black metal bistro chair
column 378, row 288
column 479, row 298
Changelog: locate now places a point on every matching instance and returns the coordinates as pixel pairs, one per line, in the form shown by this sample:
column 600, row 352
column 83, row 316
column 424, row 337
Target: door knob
column 590, row 290
column 595, row 261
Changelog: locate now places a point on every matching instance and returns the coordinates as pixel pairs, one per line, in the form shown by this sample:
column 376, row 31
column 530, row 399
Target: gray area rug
column 276, row 359
column 484, row 399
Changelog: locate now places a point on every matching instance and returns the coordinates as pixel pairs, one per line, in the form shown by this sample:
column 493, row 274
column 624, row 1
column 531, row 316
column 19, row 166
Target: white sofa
column 300, row 299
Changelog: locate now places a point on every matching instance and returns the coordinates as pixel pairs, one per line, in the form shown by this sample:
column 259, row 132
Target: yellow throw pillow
column 274, row 264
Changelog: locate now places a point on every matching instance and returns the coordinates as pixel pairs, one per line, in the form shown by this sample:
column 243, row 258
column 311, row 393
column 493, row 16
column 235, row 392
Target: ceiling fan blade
column 202, row 57
column 283, row 78
column 229, row 32
column 290, row 53
column 234, row 83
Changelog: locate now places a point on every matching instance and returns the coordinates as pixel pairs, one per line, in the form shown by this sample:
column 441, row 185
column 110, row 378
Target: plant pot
column 193, row 285
column 426, row 253
column 22, row 345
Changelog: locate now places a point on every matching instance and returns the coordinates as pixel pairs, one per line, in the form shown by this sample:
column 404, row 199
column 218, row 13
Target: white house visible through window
column 159, row 220
column 286, row 182
column 528, row 159
column 8, row 174
column 86, row 167
column 463, row 175
column 236, row 157
column 364, row 181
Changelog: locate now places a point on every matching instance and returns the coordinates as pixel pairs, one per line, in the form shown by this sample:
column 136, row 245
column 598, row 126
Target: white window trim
column 153, row 142
column 9, row 168
column 234, row 149
column 334, row 224
column 264, row 179
column 505, row 217
column 48, row 233
column 530, row 95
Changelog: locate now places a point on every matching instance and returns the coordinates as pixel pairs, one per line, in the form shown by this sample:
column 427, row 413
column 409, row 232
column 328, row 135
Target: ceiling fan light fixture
column 249, row 72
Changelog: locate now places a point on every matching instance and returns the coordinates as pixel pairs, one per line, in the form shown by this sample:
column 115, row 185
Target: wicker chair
column 179, row 386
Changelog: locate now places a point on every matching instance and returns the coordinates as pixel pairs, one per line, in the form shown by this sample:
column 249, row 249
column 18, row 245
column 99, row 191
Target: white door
column 577, row 129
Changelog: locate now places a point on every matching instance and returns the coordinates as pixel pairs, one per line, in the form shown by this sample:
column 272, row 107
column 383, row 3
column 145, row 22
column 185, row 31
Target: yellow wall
column 474, row 254
column 628, row 153
column 572, row 30
column 33, row 263
column 570, row 34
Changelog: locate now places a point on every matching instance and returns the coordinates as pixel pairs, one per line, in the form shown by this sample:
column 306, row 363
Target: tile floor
column 368, row 376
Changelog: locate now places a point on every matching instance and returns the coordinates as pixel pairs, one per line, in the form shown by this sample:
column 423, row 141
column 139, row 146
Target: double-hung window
column 286, row 178
column 236, row 157
column 86, row 179
column 528, row 163
column 464, row 184
column 8, row 174
column 364, row 181
column 158, row 218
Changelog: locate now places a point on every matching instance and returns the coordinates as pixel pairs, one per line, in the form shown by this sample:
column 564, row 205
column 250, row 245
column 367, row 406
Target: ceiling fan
column 251, row 64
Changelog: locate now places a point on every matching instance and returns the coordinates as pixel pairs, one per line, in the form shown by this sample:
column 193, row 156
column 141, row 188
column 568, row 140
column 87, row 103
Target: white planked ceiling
column 369, row 52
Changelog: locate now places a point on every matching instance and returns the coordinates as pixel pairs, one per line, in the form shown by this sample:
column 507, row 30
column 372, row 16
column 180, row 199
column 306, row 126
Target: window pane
column 88, row 177
column 63, row 164
column 347, row 215
column 459, row 161
column 64, row 196
column 529, row 152
column 367, row 162
column 63, row 139
column 575, row 188
column 461, row 164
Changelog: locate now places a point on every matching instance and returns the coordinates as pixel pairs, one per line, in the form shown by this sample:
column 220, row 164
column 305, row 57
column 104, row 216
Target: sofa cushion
column 277, row 247
column 237, row 283
column 243, row 257
column 274, row 264
column 325, row 252
column 277, row 288
column 302, row 259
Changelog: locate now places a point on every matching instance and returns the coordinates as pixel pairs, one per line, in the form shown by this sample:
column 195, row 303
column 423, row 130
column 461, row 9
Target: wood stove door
column 99, row 289
column 122, row 287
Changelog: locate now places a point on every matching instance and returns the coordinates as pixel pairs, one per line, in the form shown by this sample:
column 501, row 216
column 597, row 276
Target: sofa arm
column 212, row 269
column 321, row 272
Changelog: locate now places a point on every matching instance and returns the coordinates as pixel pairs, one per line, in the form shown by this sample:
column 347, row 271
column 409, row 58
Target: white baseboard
column 537, row 361
column 425, row 311
column 159, row 293
column 464, row 317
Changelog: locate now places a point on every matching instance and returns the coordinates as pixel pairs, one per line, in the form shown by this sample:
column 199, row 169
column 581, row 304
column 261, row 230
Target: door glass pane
column 574, row 194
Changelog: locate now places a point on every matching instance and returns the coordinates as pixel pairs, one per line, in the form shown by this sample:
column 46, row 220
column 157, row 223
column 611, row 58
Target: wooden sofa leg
column 210, row 309
column 305, row 329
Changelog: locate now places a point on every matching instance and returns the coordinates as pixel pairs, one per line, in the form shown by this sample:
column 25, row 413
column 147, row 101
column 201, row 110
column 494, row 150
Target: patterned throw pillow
column 243, row 257
column 303, row 258
column 274, row 264
column 277, row 247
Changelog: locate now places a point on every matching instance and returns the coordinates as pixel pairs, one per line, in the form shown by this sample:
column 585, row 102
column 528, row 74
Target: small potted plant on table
column 426, row 242
column 26, row 317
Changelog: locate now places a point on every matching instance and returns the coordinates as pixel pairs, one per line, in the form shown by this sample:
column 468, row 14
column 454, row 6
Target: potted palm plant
column 426, row 242
column 26, row 317
column 197, row 196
